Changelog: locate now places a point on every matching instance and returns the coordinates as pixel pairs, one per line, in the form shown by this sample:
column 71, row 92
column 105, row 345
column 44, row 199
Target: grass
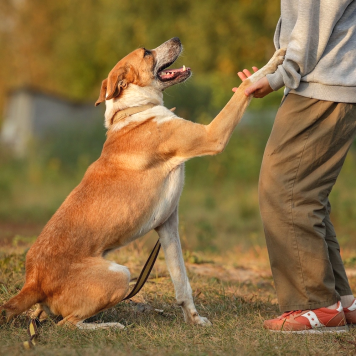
column 236, row 309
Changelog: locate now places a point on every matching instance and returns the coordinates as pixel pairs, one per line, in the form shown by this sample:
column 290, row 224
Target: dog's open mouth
column 170, row 74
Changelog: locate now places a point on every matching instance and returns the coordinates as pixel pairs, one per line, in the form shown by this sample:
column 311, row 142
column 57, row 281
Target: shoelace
column 285, row 315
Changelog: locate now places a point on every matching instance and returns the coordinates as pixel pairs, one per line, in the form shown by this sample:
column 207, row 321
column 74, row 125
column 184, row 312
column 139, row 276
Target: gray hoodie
column 320, row 37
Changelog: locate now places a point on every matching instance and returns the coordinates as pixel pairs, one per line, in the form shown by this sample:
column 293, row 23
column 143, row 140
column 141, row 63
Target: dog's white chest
column 169, row 198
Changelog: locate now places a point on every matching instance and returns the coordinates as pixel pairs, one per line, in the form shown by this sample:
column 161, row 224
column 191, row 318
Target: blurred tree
column 69, row 46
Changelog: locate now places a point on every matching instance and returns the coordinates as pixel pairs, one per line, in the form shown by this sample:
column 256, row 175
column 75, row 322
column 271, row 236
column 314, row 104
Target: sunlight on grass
column 155, row 325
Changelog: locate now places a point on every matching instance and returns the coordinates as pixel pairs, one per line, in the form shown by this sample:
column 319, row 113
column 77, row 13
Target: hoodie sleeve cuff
column 275, row 80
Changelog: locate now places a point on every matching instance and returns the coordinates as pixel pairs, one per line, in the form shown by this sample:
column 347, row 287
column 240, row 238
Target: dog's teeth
column 184, row 68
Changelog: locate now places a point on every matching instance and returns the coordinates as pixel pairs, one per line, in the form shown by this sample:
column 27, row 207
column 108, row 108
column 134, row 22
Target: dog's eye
column 147, row 52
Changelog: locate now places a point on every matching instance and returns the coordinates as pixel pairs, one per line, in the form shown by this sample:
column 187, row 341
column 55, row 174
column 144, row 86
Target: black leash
column 146, row 270
column 32, row 331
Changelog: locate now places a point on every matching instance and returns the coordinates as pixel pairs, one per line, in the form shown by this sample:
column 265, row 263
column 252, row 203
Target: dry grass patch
column 235, row 297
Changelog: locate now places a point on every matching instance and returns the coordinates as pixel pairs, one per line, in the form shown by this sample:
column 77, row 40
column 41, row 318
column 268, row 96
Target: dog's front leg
column 182, row 139
column 169, row 238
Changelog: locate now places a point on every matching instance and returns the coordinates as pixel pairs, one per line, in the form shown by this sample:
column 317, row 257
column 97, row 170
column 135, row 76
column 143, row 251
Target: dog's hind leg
column 98, row 285
column 169, row 238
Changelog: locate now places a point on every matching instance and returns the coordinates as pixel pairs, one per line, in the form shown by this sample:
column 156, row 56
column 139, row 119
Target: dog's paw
column 39, row 314
column 280, row 52
column 274, row 62
column 278, row 56
column 201, row 320
column 92, row 326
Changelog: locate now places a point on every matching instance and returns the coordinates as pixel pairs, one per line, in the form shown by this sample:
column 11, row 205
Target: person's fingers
column 257, row 89
column 247, row 72
column 242, row 76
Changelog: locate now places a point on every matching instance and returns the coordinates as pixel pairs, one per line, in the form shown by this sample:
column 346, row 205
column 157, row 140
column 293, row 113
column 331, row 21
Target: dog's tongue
column 170, row 73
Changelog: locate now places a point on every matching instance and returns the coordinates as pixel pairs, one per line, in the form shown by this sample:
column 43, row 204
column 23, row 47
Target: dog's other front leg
column 169, row 238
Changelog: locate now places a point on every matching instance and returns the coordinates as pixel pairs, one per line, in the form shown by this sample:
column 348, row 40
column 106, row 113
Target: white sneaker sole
column 336, row 329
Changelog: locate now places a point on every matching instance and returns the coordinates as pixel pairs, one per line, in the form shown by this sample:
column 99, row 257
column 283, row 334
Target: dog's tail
column 28, row 296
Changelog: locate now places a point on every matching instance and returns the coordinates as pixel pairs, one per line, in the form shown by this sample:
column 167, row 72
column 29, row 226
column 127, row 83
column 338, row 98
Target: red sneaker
column 309, row 321
column 350, row 313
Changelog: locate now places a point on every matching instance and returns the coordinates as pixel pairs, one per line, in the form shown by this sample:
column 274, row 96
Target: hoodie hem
column 335, row 93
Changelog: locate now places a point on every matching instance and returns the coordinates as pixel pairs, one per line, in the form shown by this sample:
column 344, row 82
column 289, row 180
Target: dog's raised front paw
column 274, row 62
column 280, row 52
column 278, row 57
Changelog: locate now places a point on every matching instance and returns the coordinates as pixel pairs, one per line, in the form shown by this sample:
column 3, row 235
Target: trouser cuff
column 315, row 305
column 343, row 292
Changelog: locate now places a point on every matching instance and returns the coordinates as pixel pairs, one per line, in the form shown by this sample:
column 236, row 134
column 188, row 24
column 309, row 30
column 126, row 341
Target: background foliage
column 67, row 47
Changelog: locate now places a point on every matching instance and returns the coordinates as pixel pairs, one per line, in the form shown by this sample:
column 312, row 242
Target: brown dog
column 132, row 188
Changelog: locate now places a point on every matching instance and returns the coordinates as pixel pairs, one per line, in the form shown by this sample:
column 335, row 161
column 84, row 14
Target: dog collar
column 122, row 114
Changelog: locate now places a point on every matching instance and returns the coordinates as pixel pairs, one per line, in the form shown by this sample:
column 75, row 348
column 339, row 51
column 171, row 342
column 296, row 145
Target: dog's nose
column 176, row 40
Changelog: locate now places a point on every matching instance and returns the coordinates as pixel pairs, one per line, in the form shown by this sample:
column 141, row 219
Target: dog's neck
column 132, row 96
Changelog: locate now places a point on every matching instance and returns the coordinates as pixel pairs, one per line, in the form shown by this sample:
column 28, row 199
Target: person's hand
column 259, row 89
column 245, row 74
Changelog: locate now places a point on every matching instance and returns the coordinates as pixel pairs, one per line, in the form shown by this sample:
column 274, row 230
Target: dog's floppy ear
column 102, row 92
column 116, row 82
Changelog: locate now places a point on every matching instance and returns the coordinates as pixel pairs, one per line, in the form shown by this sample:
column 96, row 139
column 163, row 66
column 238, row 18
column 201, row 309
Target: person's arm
column 308, row 40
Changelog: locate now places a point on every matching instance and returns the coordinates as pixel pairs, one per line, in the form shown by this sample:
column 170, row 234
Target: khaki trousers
column 303, row 157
